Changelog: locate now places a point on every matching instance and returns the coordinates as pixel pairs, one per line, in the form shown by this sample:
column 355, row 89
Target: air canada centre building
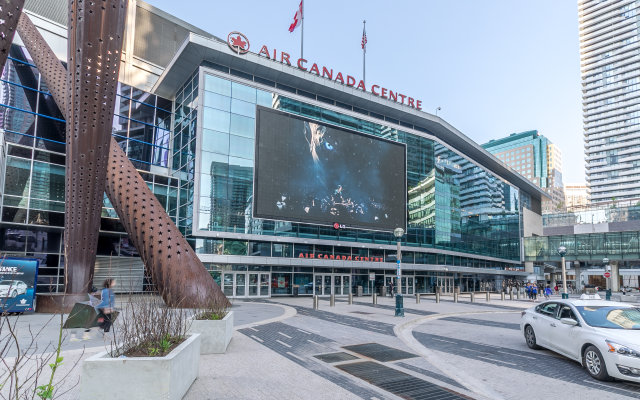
column 287, row 175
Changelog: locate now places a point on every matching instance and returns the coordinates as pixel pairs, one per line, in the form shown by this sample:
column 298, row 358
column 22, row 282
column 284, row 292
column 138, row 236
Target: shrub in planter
column 215, row 325
column 166, row 377
column 151, row 354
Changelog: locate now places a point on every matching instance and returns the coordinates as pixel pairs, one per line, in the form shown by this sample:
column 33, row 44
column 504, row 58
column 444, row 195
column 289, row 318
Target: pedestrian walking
column 391, row 289
column 534, row 292
column 547, row 292
column 107, row 305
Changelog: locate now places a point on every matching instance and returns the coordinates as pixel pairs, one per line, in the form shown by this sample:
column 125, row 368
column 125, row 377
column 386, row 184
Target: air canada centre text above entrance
column 240, row 44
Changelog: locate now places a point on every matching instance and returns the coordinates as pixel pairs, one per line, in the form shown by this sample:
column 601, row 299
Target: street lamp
column 438, row 109
column 562, row 251
column 398, row 232
column 605, row 261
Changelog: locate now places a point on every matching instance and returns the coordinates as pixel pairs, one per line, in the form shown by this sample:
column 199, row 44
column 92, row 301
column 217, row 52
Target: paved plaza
column 284, row 349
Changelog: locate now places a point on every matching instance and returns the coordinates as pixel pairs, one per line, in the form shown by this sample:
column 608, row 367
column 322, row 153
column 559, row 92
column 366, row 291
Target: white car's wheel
column 594, row 363
column 530, row 337
column 14, row 293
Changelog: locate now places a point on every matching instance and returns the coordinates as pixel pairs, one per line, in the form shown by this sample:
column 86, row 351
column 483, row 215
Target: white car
column 603, row 336
column 9, row 288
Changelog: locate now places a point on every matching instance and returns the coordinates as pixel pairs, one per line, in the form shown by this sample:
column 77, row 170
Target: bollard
column 332, row 300
column 437, row 297
column 455, row 297
column 315, row 302
column 518, row 295
column 473, row 297
column 502, row 296
column 511, row 295
column 375, row 298
column 417, row 298
column 350, row 298
column 488, row 297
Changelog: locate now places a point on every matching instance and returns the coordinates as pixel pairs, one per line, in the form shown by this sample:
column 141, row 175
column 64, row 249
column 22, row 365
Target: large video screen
column 312, row 172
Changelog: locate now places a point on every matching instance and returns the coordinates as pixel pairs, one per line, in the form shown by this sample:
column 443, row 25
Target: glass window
column 17, row 176
column 48, row 181
column 282, row 249
column 243, row 108
column 216, row 120
column 217, row 85
column 241, row 147
column 281, row 283
column 264, row 98
column 217, row 101
column 548, row 309
column 214, row 141
column 243, row 92
column 242, row 126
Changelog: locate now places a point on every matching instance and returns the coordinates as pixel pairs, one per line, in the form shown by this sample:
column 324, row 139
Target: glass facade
column 453, row 204
column 584, row 247
column 33, row 193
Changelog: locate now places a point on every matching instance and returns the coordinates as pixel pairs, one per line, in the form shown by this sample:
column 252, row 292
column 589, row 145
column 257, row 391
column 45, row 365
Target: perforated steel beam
column 10, row 11
column 176, row 270
column 52, row 70
column 94, row 44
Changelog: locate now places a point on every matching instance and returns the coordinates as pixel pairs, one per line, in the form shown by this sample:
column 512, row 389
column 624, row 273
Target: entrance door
column 327, row 284
column 446, row 283
column 243, row 284
column 265, row 288
column 240, row 285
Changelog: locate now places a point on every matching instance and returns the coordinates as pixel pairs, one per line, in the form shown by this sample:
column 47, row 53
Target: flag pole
column 364, row 53
column 302, row 32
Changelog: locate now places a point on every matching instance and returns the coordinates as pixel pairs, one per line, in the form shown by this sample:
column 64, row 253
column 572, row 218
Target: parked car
column 12, row 288
column 603, row 336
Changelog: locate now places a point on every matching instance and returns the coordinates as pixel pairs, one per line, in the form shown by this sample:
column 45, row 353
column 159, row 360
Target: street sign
column 607, row 274
column 372, row 276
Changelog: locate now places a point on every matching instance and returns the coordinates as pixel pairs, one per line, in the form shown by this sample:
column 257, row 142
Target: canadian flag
column 297, row 19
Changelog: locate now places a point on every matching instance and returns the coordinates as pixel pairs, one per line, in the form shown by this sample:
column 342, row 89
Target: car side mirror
column 569, row 321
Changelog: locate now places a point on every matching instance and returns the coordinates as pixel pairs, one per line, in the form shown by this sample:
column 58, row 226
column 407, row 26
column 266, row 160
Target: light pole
column 607, row 295
column 398, row 232
column 562, row 251
column 438, row 109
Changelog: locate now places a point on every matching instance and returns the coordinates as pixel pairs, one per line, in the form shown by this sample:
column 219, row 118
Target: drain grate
column 361, row 312
column 379, row 352
column 336, row 357
column 399, row 383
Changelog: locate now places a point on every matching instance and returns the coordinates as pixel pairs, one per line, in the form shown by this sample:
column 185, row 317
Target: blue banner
column 18, row 277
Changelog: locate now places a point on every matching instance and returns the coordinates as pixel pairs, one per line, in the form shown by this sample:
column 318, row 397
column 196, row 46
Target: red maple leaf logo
column 237, row 41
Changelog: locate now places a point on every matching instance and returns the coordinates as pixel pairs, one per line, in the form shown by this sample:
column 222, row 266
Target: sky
column 494, row 67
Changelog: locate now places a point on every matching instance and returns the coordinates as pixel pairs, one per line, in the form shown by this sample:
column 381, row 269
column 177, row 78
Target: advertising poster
column 17, row 284
column 312, row 172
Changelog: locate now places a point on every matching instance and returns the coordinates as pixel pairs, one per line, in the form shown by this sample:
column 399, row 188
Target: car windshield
column 611, row 317
column 6, row 283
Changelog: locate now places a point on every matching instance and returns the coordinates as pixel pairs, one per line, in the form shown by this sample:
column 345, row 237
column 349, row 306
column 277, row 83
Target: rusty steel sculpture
column 94, row 43
column 10, row 11
column 179, row 275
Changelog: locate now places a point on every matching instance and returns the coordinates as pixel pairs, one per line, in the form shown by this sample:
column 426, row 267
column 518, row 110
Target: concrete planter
column 216, row 334
column 169, row 377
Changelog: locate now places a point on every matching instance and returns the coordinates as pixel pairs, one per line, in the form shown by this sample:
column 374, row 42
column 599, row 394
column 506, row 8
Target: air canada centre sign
column 240, row 45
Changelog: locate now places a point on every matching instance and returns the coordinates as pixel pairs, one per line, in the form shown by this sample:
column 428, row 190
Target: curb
column 288, row 313
column 404, row 332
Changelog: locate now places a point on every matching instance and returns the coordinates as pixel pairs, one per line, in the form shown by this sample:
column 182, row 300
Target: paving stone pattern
column 296, row 344
column 336, row 357
column 485, row 322
column 379, row 352
column 393, row 308
column 353, row 322
column 399, row 383
column 430, row 374
column 531, row 362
